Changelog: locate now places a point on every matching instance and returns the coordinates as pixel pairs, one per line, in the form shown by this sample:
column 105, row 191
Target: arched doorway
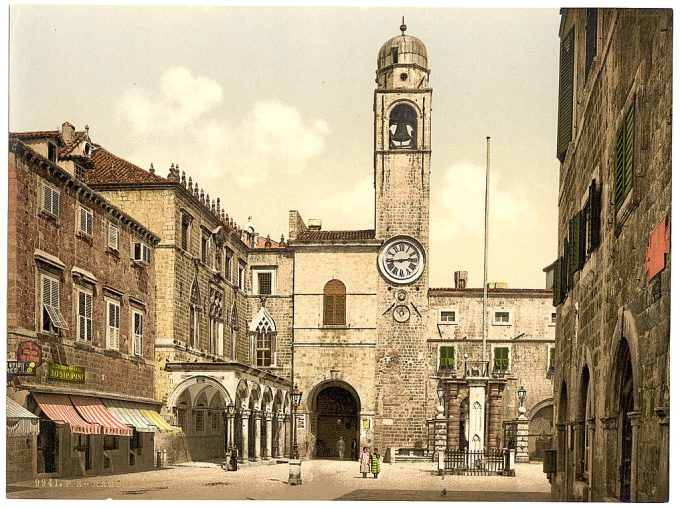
column 337, row 416
column 626, row 405
column 540, row 430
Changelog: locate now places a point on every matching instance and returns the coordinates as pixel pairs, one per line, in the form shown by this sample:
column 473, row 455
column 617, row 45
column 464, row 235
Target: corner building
column 613, row 275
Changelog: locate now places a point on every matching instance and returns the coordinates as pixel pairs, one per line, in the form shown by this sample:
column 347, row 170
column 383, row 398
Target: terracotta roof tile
column 329, row 235
column 261, row 242
column 110, row 169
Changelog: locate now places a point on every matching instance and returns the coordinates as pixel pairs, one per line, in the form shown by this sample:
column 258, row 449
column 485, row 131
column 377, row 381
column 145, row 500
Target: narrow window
column 591, row 38
column 85, row 223
column 186, row 225
column 241, row 276
column 141, row 252
column 395, row 55
column 264, row 283
column 263, row 349
column 594, row 197
column 334, row 301
column 200, row 420
column 204, row 249
column 112, row 325
column 194, row 316
column 113, row 237
column 52, row 152
column 553, row 318
column 137, row 333
column 84, row 316
column 501, row 359
column 218, row 259
column 624, row 157
column 566, row 95
column 52, row 318
column 50, row 201
column 501, row 318
column 216, row 322
column 447, row 316
column 551, row 360
column 228, row 255
column 446, row 358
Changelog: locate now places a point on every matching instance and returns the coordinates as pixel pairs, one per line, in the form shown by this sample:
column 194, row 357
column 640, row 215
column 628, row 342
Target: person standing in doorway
column 365, row 462
column 354, row 449
column 341, row 448
column 375, row 463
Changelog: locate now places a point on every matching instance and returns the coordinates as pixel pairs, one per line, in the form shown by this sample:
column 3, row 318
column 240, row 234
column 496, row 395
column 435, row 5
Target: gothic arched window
column 403, row 127
column 194, row 315
column 334, row 300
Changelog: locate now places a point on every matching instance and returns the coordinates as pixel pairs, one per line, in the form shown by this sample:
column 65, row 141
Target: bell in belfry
column 401, row 135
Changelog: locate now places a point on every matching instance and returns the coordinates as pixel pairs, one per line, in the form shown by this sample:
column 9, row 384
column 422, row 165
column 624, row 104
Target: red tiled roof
column 261, row 241
column 110, row 169
column 77, row 138
column 324, row 235
column 64, row 149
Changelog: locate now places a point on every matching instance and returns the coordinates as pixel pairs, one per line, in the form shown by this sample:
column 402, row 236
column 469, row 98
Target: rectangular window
column 551, row 359
column 141, row 252
column 218, row 259
column 624, row 157
column 85, row 222
column 501, row 318
column 112, row 325
column 566, row 96
column 186, row 230
column 241, row 276
column 263, row 349
column 137, row 333
column 553, row 318
column 50, row 201
column 52, row 318
column 80, row 172
column 447, row 316
column 110, row 442
column 204, row 249
column 594, row 197
column 84, row 315
column 447, row 358
column 52, row 152
column 501, row 358
column 228, row 255
column 264, row 283
column 113, row 237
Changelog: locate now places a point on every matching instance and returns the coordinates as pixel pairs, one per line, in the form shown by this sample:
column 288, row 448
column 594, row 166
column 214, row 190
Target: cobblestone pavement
column 322, row 480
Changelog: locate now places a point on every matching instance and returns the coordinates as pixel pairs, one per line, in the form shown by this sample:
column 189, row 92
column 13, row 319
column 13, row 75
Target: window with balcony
column 501, row 359
column 447, row 359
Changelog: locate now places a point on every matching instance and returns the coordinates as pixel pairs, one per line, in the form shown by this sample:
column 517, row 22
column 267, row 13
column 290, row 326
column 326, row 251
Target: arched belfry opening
column 403, row 127
column 335, row 409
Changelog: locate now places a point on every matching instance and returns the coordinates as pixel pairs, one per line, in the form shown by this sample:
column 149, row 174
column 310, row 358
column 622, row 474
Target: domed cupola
column 402, row 62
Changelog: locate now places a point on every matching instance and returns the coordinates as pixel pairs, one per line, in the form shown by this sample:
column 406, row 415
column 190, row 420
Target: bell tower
column 402, row 213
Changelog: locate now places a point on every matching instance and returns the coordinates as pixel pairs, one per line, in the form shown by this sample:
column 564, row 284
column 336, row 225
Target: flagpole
column 486, row 248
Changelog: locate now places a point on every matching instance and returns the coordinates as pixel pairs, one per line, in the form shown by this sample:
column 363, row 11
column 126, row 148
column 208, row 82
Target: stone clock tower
column 402, row 215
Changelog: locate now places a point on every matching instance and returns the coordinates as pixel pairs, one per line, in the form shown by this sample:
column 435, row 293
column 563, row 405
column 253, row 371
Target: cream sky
column 271, row 110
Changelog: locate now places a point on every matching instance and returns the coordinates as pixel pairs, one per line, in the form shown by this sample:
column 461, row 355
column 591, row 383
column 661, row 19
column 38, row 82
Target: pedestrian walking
column 375, row 463
column 341, row 448
column 365, row 462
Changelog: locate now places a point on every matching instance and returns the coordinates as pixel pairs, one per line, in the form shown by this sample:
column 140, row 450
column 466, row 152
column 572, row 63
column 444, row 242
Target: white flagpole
column 486, row 247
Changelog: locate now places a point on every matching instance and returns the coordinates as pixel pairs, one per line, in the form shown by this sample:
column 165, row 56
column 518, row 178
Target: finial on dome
column 403, row 26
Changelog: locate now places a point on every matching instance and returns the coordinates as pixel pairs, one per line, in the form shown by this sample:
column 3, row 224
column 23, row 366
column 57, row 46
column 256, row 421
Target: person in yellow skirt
column 375, row 463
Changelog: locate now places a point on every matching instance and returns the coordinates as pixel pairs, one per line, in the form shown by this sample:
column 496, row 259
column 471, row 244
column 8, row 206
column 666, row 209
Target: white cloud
column 350, row 209
column 185, row 121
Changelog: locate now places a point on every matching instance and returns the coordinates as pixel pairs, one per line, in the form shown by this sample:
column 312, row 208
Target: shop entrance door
column 47, row 447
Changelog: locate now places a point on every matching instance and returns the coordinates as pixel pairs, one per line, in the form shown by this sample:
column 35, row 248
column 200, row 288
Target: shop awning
column 94, row 411
column 58, row 407
column 129, row 413
column 20, row 421
column 155, row 419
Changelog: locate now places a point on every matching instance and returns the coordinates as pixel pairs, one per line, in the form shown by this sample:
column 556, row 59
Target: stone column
column 522, row 454
column 280, row 435
column 452, row 403
column 266, row 452
column 257, row 415
column 495, row 396
column 245, row 427
column 477, row 400
column 610, row 425
column 286, row 432
column 662, row 413
column 635, row 423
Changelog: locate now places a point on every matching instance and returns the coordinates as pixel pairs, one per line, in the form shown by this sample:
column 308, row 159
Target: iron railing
column 464, row 462
column 476, row 369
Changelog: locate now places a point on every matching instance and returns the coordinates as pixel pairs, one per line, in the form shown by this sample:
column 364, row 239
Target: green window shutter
column 501, row 358
column 446, row 356
column 566, row 95
column 574, row 248
column 557, row 282
column 582, row 238
column 551, row 367
column 624, row 157
column 595, row 207
column 565, row 268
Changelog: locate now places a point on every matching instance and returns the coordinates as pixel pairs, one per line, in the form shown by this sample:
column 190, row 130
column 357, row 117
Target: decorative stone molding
column 663, row 415
column 609, row 422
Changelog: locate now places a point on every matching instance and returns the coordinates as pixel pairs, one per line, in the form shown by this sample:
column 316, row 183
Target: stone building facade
column 81, row 301
column 224, row 314
column 612, row 278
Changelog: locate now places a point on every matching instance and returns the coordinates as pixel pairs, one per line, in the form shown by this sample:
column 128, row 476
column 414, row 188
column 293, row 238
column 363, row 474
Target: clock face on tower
column 401, row 260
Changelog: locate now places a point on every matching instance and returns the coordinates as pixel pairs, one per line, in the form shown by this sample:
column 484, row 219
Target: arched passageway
column 337, row 417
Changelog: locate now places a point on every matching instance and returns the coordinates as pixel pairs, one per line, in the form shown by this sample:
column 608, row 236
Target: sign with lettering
column 300, row 421
column 74, row 374
column 21, row 368
column 659, row 246
column 30, row 351
column 366, row 423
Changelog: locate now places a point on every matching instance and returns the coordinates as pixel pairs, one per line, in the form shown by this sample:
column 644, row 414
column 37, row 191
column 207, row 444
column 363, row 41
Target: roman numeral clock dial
column 401, row 260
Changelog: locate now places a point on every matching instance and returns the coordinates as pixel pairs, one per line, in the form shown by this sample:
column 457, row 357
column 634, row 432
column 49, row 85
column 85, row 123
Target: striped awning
column 94, row 411
column 20, row 421
column 58, row 407
column 129, row 413
column 155, row 419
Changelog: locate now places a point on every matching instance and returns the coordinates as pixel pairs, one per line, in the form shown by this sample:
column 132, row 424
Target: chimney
column 68, row 132
column 314, row 225
column 460, row 278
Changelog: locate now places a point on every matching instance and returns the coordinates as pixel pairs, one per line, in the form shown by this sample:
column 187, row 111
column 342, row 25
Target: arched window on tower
column 334, row 300
column 403, row 127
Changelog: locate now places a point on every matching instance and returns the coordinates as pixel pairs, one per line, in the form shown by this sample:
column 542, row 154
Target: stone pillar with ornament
column 245, row 426
column 496, row 388
column 280, row 435
column 522, row 454
column 477, row 408
column 257, row 415
column 266, row 452
column 440, row 426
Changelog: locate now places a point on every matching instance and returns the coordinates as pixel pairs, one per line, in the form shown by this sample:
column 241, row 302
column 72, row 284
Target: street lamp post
column 230, row 434
column 439, row 432
column 295, row 470
column 522, row 455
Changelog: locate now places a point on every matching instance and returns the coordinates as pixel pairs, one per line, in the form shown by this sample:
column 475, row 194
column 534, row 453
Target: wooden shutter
column 574, row 247
column 629, row 149
column 334, row 303
column 624, row 157
column 582, row 238
column 594, row 198
column 557, row 282
column 113, row 237
column 565, row 267
column 566, row 95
